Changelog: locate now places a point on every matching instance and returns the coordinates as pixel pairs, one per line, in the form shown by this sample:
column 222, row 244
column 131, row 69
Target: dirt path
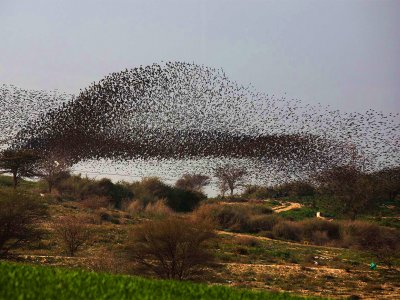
column 263, row 238
column 292, row 205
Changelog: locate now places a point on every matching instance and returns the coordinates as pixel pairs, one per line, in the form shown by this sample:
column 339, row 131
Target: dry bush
column 108, row 261
column 96, row 202
column 152, row 209
column 135, row 207
column 382, row 241
column 320, row 238
column 232, row 217
column 205, row 211
column 172, row 248
column 239, row 218
column 72, row 232
column 263, row 222
column 321, row 232
column 287, row 230
column 158, row 209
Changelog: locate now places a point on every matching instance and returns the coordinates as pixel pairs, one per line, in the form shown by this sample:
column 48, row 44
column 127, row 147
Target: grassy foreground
column 19, row 281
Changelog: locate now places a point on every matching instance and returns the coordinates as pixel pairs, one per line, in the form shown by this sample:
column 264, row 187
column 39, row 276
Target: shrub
column 151, row 209
column 382, row 241
column 237, row 217
column 158, row 209
column 232, row 217
column 258, row 192
column 78, row 188
column 20, row 214
column 320, row 231
column 108, row 261
column 181, row 200
column 72, row 232
column 263, row 223
column 135, row 207
column 287, row 230
column 171, row 248
column 152, row 189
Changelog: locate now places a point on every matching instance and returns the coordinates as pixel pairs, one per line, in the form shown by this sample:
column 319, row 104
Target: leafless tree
column 223, row 187
column 172, row 248
column 193, row 182
column 230, row 176
column 72, row 232
column 53, row 169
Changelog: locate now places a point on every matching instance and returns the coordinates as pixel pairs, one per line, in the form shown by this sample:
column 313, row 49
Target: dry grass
column 151, row 209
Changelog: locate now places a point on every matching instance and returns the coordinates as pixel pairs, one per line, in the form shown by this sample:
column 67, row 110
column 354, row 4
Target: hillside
column 246, row 253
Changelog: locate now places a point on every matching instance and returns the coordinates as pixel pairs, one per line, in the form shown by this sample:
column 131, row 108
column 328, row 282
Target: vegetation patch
column 33, row 282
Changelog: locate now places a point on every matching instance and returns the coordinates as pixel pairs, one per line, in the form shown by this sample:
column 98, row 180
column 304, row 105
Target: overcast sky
column 341, row 53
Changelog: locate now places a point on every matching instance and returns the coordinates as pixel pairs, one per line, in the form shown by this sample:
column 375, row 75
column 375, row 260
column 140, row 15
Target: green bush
column 182, row 200
column 20, row 213
column 258, row 192
column 152, row 189
column 77, row 188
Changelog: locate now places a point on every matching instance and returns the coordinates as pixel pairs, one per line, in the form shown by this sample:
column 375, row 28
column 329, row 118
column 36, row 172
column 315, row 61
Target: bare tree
column 53, row 169
column 20, row 163
column 193, row 182
column 172, row 248
column 230, row 176
column 72, row 233
column 223, row 187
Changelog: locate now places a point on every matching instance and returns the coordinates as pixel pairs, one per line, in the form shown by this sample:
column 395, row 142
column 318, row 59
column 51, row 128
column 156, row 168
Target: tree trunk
column 231, row 191
column 15, row 180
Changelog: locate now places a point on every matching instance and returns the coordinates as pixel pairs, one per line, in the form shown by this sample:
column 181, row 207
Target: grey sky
column 341, row 53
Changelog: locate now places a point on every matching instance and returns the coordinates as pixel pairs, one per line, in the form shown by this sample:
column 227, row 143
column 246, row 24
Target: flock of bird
column 182, row 111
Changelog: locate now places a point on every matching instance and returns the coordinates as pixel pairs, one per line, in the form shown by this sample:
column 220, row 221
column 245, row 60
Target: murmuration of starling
column 186, row 111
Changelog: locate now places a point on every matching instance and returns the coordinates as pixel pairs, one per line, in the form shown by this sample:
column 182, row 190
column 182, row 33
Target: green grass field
column 19, row 281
